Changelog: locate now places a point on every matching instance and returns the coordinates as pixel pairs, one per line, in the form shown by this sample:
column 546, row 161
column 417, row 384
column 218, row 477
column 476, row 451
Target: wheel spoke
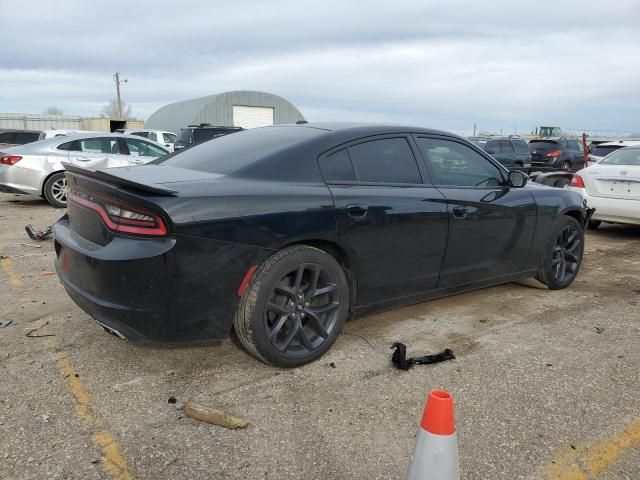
column 314, row 280
column 299, row 274
column 563, row 270
column 293, row 332
column 316, row 324
column 329, row 307
column 285, row 290
column 555, row 260
column 570, row 257
column 277, row 327
column 303, row 338
column 571, row 238
column 324, row 290
column 279, row 309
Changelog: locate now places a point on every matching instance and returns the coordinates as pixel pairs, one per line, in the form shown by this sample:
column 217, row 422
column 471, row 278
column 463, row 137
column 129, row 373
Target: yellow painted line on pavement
column 586, row 461
column 14, row 278
column 112, row 458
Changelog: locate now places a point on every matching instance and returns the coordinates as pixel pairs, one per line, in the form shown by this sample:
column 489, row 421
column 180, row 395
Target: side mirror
column 517, row 179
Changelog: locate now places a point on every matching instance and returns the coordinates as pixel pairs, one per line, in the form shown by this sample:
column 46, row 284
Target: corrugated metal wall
column 29, row 121
column 218, row 110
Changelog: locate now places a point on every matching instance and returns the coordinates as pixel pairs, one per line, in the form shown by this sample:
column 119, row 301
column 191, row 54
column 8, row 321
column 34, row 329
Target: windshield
column 622, row 156
column 229, row 153
column 543, row 145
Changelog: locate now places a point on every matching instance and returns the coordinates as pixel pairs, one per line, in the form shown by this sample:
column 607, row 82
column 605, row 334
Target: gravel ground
column 545, row 382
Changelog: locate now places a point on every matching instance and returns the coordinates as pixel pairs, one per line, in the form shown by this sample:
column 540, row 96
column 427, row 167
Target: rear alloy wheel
column 55, row 190
column 293, row 308
column 562, row 255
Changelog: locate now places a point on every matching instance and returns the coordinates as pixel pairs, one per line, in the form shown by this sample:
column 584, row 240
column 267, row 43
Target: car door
column 95, row 153
column 142, row 151
column 490, row 225
column 507, row 153
column 390, row 223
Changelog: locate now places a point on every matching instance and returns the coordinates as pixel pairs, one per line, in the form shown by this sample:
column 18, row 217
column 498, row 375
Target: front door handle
column 461, row 212
column 356, row 211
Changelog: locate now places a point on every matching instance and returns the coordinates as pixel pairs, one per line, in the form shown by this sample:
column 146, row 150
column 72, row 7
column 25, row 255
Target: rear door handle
column 356, row 211
column 461, row 212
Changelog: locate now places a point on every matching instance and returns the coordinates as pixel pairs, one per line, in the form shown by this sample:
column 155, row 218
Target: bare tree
column 53, row 111
column 110, row 110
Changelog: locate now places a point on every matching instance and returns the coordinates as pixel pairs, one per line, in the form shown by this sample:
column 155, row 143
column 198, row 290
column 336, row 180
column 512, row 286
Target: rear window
column 521, row 146
column 234, row 152
column 602, row 151
column 184, row 135
column 623, row 156
column 543, row 144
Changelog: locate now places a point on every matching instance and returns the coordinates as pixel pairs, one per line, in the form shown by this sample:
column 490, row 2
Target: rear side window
column 337, row 167
column 389, row 160
column 520, row 146
column 493, row 145
column 70, row 146
column 100, row 145
column 26, row 137
column 505, row 146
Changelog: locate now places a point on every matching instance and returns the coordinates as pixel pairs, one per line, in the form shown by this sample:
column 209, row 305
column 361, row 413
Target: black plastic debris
column 5, row 323
column 38, row 235
column 599, row 329
column 172, row 400
column 401, row 361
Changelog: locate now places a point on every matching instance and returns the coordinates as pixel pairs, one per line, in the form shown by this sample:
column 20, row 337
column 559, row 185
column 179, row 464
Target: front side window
column 99, row 145
column 389, row 160
column 455, row 164
column 140, row 148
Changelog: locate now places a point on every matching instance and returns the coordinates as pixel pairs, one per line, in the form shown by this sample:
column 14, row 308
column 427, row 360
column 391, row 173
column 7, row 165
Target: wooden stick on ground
column 216, row 417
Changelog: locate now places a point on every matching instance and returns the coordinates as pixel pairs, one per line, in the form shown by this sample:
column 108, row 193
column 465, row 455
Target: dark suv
column 564, row 153
column 511, row 151
column 195, row 134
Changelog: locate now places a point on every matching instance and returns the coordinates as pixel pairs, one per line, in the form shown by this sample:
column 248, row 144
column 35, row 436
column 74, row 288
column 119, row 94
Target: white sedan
column 37, row 168
column 612, row 187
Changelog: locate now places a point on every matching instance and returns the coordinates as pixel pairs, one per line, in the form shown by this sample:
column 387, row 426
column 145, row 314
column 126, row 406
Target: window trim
column 504, row 172
column 425, row 177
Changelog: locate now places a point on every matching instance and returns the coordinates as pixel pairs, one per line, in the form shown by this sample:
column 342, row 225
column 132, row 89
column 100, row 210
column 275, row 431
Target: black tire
column 566, row 165
column 52, row 190
column 594, row 224
column 287, row 326
column 562, row 254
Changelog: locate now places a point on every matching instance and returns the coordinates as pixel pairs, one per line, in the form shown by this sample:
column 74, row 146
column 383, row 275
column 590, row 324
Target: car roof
column 46, row 144
column 624, row 143
column 127, row 130
column 364, row 128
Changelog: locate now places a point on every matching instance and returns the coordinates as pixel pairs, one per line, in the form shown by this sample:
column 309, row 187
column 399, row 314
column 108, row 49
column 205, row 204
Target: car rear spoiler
column 116, row 180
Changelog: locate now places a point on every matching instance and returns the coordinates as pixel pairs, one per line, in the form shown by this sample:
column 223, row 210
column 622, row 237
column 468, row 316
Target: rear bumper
column 614, row 210
column 16, row 179
column 164, row 290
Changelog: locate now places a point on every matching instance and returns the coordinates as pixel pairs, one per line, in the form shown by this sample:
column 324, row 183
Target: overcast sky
column 445, row 64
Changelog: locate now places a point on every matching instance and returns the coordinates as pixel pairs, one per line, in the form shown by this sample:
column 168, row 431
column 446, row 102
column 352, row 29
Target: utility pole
column 116, row 78
column 474, row 129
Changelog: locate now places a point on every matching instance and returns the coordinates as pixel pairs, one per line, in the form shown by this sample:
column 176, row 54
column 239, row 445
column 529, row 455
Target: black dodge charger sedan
column 281, row 233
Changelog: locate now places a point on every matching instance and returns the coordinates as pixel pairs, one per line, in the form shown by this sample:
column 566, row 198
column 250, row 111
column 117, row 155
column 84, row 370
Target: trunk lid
column 612, row 181
column 540, row 148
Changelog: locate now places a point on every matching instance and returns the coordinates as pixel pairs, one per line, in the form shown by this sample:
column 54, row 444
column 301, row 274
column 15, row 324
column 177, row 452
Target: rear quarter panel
column 551, row 204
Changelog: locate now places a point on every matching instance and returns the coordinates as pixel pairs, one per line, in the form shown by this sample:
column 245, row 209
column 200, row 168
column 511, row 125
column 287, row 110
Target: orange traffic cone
column 436, row 453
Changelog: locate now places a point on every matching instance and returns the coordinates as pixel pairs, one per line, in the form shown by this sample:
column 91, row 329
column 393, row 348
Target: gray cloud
column 440, row 64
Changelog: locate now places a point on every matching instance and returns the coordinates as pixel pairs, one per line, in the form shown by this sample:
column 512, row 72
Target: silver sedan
column 37, row 168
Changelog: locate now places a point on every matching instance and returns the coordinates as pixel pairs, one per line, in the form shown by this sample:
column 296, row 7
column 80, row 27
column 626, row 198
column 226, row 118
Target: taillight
column 555, row 153
column 10, row 159
column 576, row 181
column 119, row 216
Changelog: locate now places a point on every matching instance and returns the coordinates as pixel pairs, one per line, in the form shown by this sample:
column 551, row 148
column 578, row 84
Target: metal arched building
column 245, row 109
